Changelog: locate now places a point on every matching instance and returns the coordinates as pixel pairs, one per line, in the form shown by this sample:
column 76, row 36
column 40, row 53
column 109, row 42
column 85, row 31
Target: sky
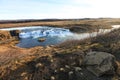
column 61, row 9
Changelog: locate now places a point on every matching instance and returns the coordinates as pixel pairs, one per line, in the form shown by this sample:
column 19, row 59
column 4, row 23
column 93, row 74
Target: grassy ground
column 40, row 62
column 80, row 25
column 109, row 42
column 57, row 57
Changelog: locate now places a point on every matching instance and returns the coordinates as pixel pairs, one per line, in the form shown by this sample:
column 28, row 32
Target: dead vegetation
column 59, row 62
column 109, row 42
column 95, row 23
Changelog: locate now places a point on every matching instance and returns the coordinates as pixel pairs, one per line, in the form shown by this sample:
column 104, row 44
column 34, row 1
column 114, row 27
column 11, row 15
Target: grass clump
column 109, row 42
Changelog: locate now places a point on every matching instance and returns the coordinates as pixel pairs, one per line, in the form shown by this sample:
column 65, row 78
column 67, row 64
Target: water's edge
column 29, row 35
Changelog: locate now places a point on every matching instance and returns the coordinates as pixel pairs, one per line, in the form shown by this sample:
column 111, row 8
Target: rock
column 38, row 65
column 84, row 74
column 100, row 63
column 62, row 69
column 41, row 39
column 23, row 74
column 78, row 68
column 15, row 33
column 66, row 66
column 52, row 78
column 51, row 60
column 70, row 73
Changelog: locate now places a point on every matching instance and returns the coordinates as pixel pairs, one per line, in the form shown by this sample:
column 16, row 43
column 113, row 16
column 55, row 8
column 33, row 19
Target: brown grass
column 19, row 64
column 109, row 42
column 62, row 23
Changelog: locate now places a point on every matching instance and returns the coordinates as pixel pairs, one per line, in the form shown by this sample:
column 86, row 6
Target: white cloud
column 69, row 9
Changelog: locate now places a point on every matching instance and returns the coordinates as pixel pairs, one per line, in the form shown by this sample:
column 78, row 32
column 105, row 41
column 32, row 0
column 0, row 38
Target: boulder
column 15, row 33
column 41, row 39
column 100, row 63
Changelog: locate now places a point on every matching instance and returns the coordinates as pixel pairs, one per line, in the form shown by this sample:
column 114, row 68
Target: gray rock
column 78, row 68
column 100, row 63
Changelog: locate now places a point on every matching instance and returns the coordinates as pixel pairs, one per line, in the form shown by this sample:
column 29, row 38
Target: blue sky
column 40, row 9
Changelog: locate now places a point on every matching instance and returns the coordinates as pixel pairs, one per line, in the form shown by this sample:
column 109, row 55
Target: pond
column 43, row 35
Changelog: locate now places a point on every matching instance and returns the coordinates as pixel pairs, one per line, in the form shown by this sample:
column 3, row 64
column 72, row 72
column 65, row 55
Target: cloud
column 19, row 9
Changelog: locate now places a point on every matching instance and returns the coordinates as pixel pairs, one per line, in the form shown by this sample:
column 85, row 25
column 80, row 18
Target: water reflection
column 33, row 36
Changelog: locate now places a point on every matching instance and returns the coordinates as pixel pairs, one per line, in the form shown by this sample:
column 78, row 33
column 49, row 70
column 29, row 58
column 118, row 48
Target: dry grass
column 109, row 42
column 21, row 63
column 62, row 23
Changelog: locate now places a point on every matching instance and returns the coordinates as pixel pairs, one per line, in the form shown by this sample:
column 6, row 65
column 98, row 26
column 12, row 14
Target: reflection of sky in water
column 31, row 42
column 29, row 35
column 44, row 32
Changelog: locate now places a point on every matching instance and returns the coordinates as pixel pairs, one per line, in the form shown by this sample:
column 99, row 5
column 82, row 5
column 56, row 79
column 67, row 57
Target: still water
column 29, row 36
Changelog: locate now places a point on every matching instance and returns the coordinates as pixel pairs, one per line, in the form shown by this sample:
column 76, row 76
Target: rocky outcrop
column 100, row 63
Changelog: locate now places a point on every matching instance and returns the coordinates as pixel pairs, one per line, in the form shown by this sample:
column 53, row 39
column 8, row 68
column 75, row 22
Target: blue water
column 29, row 37
column 32, row 42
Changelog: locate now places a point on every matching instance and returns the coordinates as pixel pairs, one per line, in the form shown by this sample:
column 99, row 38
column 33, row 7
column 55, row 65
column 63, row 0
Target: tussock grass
column 109, row 42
